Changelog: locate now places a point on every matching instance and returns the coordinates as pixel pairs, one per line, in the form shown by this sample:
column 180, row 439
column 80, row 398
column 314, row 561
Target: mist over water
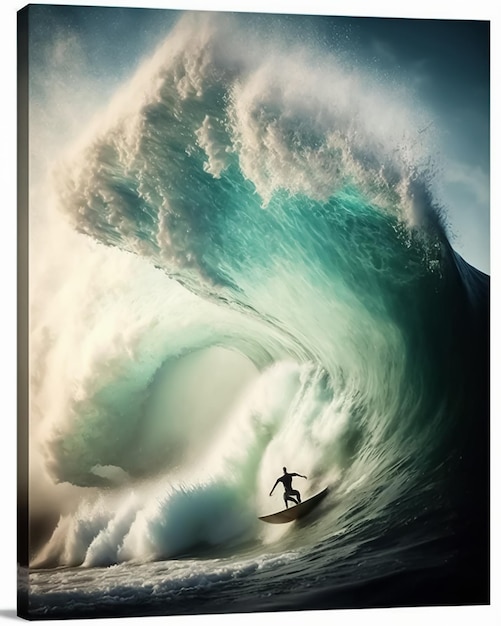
column 243, row 268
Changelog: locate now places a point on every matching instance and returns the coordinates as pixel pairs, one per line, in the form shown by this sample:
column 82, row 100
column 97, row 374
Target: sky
column 446, row 64
column 453, row 89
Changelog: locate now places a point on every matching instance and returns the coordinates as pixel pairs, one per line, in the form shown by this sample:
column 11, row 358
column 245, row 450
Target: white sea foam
column 291, row 121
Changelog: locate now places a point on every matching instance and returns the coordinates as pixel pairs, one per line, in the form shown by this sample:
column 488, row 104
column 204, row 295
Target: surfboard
column 296, row 511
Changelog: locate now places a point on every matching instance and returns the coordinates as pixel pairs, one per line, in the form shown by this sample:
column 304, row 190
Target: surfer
column 289, row 494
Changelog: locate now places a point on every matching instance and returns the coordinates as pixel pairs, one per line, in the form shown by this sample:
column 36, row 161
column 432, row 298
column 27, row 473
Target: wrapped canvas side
column 22, row 315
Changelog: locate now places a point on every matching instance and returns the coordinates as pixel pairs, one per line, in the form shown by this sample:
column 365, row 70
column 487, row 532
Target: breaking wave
column 265, row 282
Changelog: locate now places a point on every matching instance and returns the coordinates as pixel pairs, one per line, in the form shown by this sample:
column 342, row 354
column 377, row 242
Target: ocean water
column 248, row 269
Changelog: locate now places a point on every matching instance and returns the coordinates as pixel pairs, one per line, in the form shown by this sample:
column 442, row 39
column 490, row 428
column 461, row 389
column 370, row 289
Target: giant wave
column 265, row 281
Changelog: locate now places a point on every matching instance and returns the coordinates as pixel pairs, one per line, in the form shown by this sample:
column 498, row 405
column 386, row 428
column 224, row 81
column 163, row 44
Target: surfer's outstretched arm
column 300, row 475
column 276, row 483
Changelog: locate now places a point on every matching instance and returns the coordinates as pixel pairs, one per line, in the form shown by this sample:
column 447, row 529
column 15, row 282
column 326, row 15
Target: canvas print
column 253, row 312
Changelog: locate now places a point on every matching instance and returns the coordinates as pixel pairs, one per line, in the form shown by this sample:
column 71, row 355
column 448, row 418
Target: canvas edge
column 22, row 312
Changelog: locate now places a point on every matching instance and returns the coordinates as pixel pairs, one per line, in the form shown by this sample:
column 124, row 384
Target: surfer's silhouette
column 289, row 494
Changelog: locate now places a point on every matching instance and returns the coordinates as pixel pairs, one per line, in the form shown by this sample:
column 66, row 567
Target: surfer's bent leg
column 296, row 494
column 288, row 496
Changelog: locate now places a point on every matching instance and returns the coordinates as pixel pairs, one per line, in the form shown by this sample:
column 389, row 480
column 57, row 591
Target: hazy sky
column 443, row 63
column 446, row 64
